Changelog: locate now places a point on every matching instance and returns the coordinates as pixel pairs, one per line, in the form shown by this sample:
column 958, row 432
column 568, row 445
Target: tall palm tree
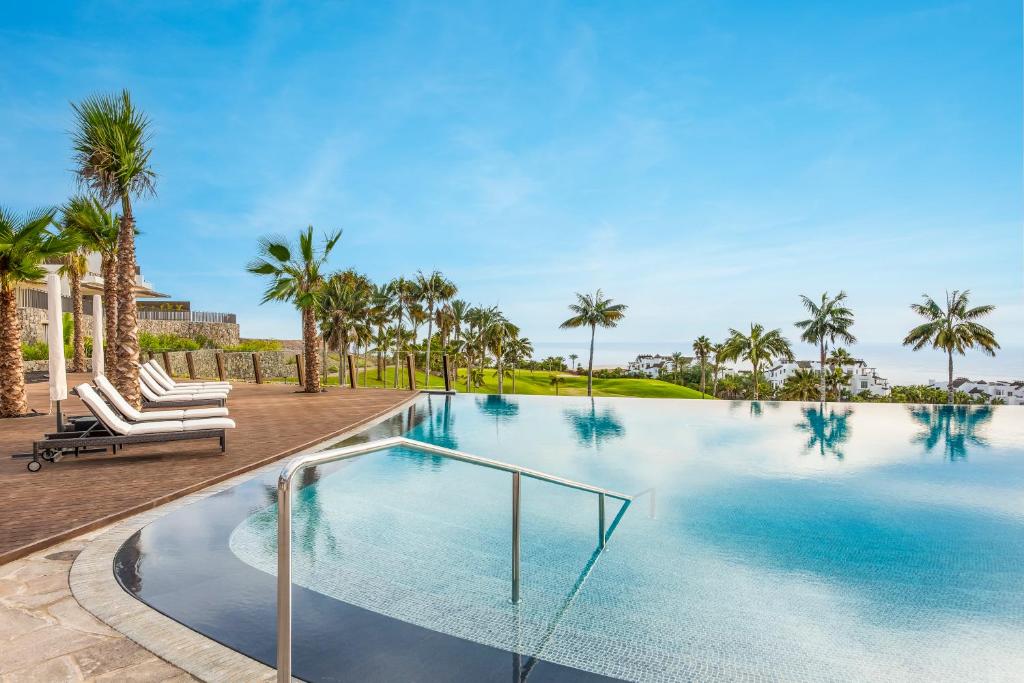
column 342, row 307
column 757, row 348
column 593, row 310
column 497, row 333
column 678, row 363
column 702, row 348
column 840, row 358
column 953, row 328
column 405, row 297
column 98, row 229
column 716, row 367
column 74, row 266
column 557, row 381
column 380, row 311
column 111, row 144
column 573, row 357
column 25, row 244
column 830, row 319
column 518, row 350
column 433, row 289
column 295, row 276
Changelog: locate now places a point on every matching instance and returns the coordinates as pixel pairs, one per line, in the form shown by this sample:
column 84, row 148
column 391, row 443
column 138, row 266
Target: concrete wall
column 222, row 334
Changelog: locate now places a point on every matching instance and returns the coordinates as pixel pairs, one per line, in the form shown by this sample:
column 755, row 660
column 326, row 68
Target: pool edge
column 96, row 589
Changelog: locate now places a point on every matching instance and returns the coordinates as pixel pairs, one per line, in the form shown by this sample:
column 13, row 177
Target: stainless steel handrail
column 284, row 519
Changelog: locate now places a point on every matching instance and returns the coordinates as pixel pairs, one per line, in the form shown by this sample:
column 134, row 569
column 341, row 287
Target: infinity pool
column 766, row 541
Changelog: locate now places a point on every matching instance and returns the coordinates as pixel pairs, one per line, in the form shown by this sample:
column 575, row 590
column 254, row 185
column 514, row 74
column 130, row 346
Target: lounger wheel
column 34, row 465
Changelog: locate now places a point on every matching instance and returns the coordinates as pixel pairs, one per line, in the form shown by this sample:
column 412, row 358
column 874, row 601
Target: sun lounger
column 152, row 399
column 160, row 397
column 122, row 433
column 169, row 382
column 121, row 405
column 157, row 384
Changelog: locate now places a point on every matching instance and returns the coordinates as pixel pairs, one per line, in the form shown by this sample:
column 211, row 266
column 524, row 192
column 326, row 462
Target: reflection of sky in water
column 850, row 541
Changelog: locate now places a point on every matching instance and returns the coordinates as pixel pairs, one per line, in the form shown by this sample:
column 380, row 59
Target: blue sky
column 704, row 163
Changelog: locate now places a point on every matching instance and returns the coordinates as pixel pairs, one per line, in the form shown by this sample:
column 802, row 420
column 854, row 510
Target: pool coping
column 97, row 590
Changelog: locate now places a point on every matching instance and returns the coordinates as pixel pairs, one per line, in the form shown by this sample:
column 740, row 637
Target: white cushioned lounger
column 166, row 380
column 152, row 396
column 160, row 385
column 147, row 380
column 114, row 397
column 116, row 425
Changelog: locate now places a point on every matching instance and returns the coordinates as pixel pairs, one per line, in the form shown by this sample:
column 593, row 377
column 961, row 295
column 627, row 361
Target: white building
column 652, row 365
column 862, row 377
column 1011, row 393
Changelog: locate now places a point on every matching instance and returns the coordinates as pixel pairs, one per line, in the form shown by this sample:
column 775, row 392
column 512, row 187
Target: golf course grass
column 538, row 382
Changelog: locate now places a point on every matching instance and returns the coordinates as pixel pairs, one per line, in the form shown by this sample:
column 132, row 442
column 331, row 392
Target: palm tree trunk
column 756, row 382
column 323, row 357
column 590, row 363
column 310, row 342
column 77, row 315
column 126, row 353
column 824, row 395
column 366, row 352
column 430, row 333
column 341, row 363
column 398, row 346
column 13, row 400
column 949, row 386
column 501, row 374
column 703, row 379
column 109, row 271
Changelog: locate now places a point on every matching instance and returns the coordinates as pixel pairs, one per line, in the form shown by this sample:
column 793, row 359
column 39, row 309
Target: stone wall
column 274, row 365
column 33, row 321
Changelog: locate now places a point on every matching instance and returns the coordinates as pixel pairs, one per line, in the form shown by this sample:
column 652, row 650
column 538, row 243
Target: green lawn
column 539, row 383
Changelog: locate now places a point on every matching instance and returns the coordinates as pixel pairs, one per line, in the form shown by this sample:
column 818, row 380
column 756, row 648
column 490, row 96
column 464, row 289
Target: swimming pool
column 767, row 541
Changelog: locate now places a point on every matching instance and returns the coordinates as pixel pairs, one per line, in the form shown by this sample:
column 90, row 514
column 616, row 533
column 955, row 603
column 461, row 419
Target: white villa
column 1012, row 393
column 862, row 378
column 652, row 365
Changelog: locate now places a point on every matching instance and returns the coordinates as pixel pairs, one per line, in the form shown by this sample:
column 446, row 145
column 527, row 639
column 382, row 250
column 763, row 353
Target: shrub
column 256, row 345
column 169, row 342
column 35, row 351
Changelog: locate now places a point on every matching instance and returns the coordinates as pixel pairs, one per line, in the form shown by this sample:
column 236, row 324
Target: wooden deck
column 74, row 496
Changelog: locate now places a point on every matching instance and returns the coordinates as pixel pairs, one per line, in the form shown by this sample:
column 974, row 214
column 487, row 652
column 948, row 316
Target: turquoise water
column 771, row 541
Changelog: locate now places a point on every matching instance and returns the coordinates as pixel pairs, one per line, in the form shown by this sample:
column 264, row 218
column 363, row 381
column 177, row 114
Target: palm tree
column 952, row 329
column 25, row 244
column 382, row 301
column 573, row 357
column 518, row 350
column 840, row 358
column 112, row 153
column 732, row 385
column 592, row 310
column 557, row 381
column 702, row 348
column 716, row 367
column 678, row 363
column 98, row 230
column 497, row 332
column 74, row 266
column 433, row 289
column 405, row 298
column 830, row 319
column 296, row 276
column 342, row 307
column 757, row 348
column 800, row 386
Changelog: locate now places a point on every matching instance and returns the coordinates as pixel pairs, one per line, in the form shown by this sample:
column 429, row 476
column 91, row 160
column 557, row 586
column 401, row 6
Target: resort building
column 157, row 314
column 1010, row 393
column 862, row 377
column 652, row 365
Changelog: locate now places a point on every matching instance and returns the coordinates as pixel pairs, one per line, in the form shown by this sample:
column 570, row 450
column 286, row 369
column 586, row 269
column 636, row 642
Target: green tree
column 296, row 276
column 952, row 329
column 572, row 358
column 98, row 229
column 557, row 381
column 800, row 386
column 678, row 363
column 593, row 311
column 433, row 289
column 758, row 348
column 840, row 358
column 702, row 348
column 25, row 244
column 112, row 153
column 342, row 308
column 74, row 267
column 716, row 367
column 830, row 319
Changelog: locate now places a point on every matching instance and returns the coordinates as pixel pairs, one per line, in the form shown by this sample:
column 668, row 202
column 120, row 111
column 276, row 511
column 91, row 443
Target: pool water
column 767, row 540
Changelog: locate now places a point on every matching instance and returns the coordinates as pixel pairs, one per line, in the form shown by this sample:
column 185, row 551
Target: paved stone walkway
column 45, row 635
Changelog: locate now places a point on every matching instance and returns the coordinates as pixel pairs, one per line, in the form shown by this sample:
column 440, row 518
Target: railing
column 189, row 316
column 284, row 519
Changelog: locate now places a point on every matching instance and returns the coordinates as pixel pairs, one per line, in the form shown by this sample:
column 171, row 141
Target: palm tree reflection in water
column 955, row 427
column 501, row 408
column 592, row 428
column 828, row 430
